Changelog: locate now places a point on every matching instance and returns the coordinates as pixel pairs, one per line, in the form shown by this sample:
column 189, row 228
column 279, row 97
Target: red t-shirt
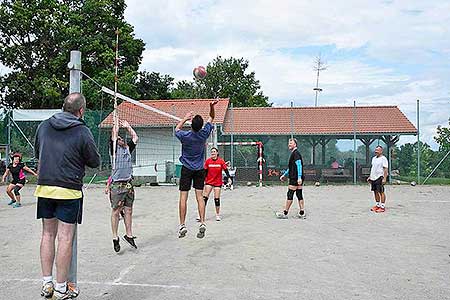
column 214, row 169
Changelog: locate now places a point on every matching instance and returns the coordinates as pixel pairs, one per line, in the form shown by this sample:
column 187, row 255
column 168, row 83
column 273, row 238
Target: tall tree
column 227, row 77
column 443, row 137
column 154, row 85
column 36, row 37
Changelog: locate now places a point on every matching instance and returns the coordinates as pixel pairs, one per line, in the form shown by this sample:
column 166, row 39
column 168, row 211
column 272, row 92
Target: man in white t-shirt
column 377, row 178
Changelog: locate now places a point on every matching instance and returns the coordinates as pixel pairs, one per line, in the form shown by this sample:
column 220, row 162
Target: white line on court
column 107, row 283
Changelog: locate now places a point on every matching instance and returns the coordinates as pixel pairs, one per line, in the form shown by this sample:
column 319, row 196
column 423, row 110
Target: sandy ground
column 341, row 251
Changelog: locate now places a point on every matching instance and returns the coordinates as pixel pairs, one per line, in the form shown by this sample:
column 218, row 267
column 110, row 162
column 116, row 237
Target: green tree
column 443, row 137
column 154, row 85
column 36, row 38
column 227, row 77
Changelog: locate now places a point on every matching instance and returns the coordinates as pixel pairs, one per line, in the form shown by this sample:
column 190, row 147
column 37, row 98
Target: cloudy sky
column 377, row 52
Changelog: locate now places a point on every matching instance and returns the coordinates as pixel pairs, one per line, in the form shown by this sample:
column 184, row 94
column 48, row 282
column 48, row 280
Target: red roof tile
column 318, row 121
column 140, row 117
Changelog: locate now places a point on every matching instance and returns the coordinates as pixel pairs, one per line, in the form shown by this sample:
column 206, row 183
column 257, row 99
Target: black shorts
column 68, row 211
column 377, row 185
column 294, row 182
column 197, row 177
column 18, row 181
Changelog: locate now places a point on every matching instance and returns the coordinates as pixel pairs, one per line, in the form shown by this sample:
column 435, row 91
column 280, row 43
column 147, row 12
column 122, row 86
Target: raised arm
column 127, row 126
column 212, row 112
column 114, row 132
column 30, row 171
column 186, row 118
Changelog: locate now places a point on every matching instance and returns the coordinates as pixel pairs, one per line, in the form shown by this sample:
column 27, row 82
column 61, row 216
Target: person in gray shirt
column 121, row 193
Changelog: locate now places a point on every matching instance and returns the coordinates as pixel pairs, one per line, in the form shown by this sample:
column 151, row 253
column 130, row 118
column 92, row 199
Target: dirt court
column 341, row 251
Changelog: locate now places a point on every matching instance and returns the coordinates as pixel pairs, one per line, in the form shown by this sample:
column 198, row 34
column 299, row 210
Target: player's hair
column 197, row 123
column 294, row 140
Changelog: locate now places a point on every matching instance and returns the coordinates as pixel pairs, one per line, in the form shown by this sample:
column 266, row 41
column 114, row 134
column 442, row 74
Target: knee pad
column 299, row 194
column 290, row 194
column 217, row 202
column 16, row 190
column 205, row 199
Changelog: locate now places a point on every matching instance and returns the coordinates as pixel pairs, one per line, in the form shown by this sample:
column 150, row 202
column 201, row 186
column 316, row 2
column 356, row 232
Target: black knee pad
column 17, row 190
column 217, row 202
column 205, row 199
column 290, row 194
column 299, row 194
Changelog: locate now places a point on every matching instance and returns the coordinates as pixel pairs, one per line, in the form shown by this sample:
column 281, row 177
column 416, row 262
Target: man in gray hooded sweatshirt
column 64, row 146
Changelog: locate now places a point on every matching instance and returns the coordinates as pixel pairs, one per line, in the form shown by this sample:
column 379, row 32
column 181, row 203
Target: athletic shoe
column 197, row 219
column 17, row 204
column 11, row 202
column 302, row 216
column 116, row 245
column 201, row 231
column 218, row 218
column 47, row 289
column 57, row 295
column 281, row 215
column 380, row 210
column 73, row 289
column 130, row 241
column 374, row 208
column 182, row 231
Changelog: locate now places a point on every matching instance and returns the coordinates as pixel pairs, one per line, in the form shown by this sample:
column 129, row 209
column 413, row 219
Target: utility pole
column 319, row 66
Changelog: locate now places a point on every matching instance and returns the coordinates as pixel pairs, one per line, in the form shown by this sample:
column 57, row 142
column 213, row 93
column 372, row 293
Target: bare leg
column 182, row 206
column 18, row 196
column 64, row 254
column 217, row 195
column 382, row 196
column 377, row 196
column 9, row 191
column 128, row 220
column 47, row 249
column 200, row 205
column 115, row 222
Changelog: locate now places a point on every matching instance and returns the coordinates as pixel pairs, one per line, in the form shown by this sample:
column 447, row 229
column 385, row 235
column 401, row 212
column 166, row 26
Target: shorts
column 294, row 182
column 20, row 181
column 121, row 194
column 68, row 211
column 377, row 185
column 197, row 177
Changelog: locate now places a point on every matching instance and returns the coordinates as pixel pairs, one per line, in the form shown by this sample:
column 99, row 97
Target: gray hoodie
column 64, row 145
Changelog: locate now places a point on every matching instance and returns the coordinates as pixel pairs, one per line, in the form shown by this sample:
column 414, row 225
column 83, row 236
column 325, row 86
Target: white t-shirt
column 378, row 163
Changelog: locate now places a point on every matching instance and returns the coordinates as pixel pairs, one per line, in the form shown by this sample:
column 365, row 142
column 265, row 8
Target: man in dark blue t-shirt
column 193, row 159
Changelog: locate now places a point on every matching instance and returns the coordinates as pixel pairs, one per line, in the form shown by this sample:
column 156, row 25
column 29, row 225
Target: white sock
column 378, row 204
column 46, row 279
column 61, row 287
column 382, row 205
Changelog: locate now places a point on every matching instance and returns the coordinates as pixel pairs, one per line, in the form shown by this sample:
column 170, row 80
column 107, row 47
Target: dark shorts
column 19, row 181
column 377, row 185
column 121, row 194
column 294, row 182
column 195, row 178
column 68, row 211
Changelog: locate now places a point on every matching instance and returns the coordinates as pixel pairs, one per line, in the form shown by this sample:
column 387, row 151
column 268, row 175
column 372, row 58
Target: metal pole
column 232, row 137
column 74, row 87
column 437, row 166
column 173, row 144
column 292, row 119
column 354, row 142
column 418, row 143
column 8, row 159
column 389, row 158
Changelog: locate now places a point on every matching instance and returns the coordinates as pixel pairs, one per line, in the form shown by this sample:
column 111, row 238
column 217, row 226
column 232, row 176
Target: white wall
column 155, row 146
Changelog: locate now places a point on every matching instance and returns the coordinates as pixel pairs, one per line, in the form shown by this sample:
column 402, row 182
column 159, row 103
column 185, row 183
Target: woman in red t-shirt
column 213, row 180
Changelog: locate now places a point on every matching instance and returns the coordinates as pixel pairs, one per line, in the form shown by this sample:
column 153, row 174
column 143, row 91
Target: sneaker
column 380, row 210
column 47, row 289
column 73, row 289
column 281, row 215
column 57, row 295
column 374, row 208
column 218, row 218
column 182, row 231
column 116, row 245
column 201, row 231
column 197, row 219
column 301, row 216
column 11, row 202
column 17, row 204
column 130, row 241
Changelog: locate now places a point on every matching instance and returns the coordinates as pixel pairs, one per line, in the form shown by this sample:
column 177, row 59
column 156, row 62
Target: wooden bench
column 311, row 174
column 336, row 174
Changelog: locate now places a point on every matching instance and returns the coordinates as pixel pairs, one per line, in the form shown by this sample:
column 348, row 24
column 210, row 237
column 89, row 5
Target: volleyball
column 199, row 72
